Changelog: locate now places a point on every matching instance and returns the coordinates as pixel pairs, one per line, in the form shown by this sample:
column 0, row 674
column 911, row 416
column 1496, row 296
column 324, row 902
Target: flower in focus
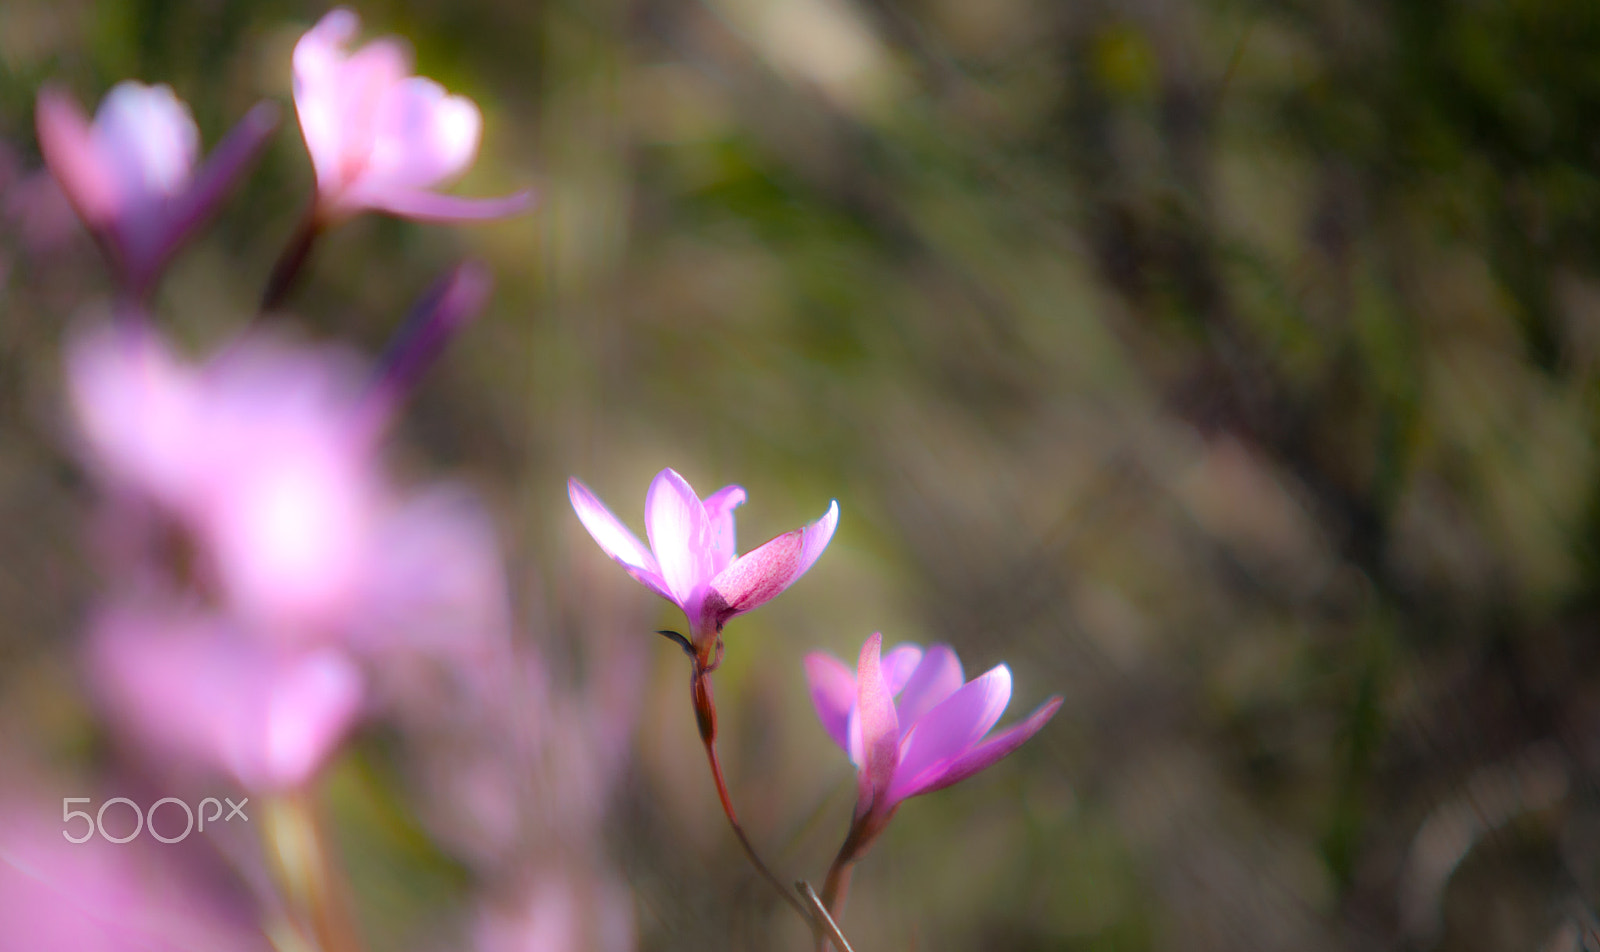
column 691, row 558
column 380, row 138
column 910, row 724
column 130, row 173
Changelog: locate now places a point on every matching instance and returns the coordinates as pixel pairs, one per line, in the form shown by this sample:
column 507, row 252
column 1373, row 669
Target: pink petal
column 311, row 704
column 211, row 185
column 759, row 575
column 289, row 525
column 615, row 539
column 817, row 537
column 951, row 729
column 984, row 754
column 679, row 534
column 201, row 692
column 74, row 157
column 833, row 694
column 422, row 136
column 138, row 411
column 431, row 206
column 148, row 137
column 435, row 583
column 338, row 96
column 898, row 666
column 936, row 678
column 719, row 510
column 880, row 731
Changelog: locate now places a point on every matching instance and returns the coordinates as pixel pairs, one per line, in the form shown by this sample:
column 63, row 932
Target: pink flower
column 131, row 173
column 262, row 457
column 691, row 560
column 202, row 690
column 379, row 138
column 910, row 725
column 99, row 896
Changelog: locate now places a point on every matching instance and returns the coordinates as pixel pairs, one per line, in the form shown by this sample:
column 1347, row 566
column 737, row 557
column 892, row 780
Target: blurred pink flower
column 96, row 896
column 691, row 559
column 131, row 172
column 264, row 457
column 910, row 725
column 261, row 557
column 380, row 138
column 572, row 908
column 193, row 688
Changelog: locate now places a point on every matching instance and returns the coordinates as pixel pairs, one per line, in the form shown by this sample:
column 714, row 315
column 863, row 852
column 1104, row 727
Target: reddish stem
column 706, row 716
column 837, row 885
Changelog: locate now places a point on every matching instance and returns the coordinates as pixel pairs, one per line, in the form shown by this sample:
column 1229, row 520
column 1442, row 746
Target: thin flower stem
column 744, row 841
column 705, row 715
column 826, row 928
column 292, row 261
column 311, row 881
column 835, row 888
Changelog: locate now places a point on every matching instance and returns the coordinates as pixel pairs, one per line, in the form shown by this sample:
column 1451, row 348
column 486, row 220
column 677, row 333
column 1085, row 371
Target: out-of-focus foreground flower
column 130, row 174
column 910, row 725
column 98, row 896
column 257, row 553
column 691, row 558
column 379, row 138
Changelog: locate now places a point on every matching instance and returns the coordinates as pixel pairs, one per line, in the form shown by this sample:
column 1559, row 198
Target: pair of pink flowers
column 932, row 737
column 378, row 137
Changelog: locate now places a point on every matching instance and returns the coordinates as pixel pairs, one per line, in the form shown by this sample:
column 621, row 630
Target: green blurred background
column 1227, row 367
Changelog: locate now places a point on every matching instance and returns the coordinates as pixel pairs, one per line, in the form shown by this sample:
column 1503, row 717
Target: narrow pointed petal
column 227, row 163
column 833, row 694
column 880, row 730
column 719, row 511
column 679, row 536
column 983, row 755
column 898, row 666
column 615, row 539
column 817, row 537
column 74, row 158
column 429, row 206
column 952, row 728
column 936, row 678
column 758, row 576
